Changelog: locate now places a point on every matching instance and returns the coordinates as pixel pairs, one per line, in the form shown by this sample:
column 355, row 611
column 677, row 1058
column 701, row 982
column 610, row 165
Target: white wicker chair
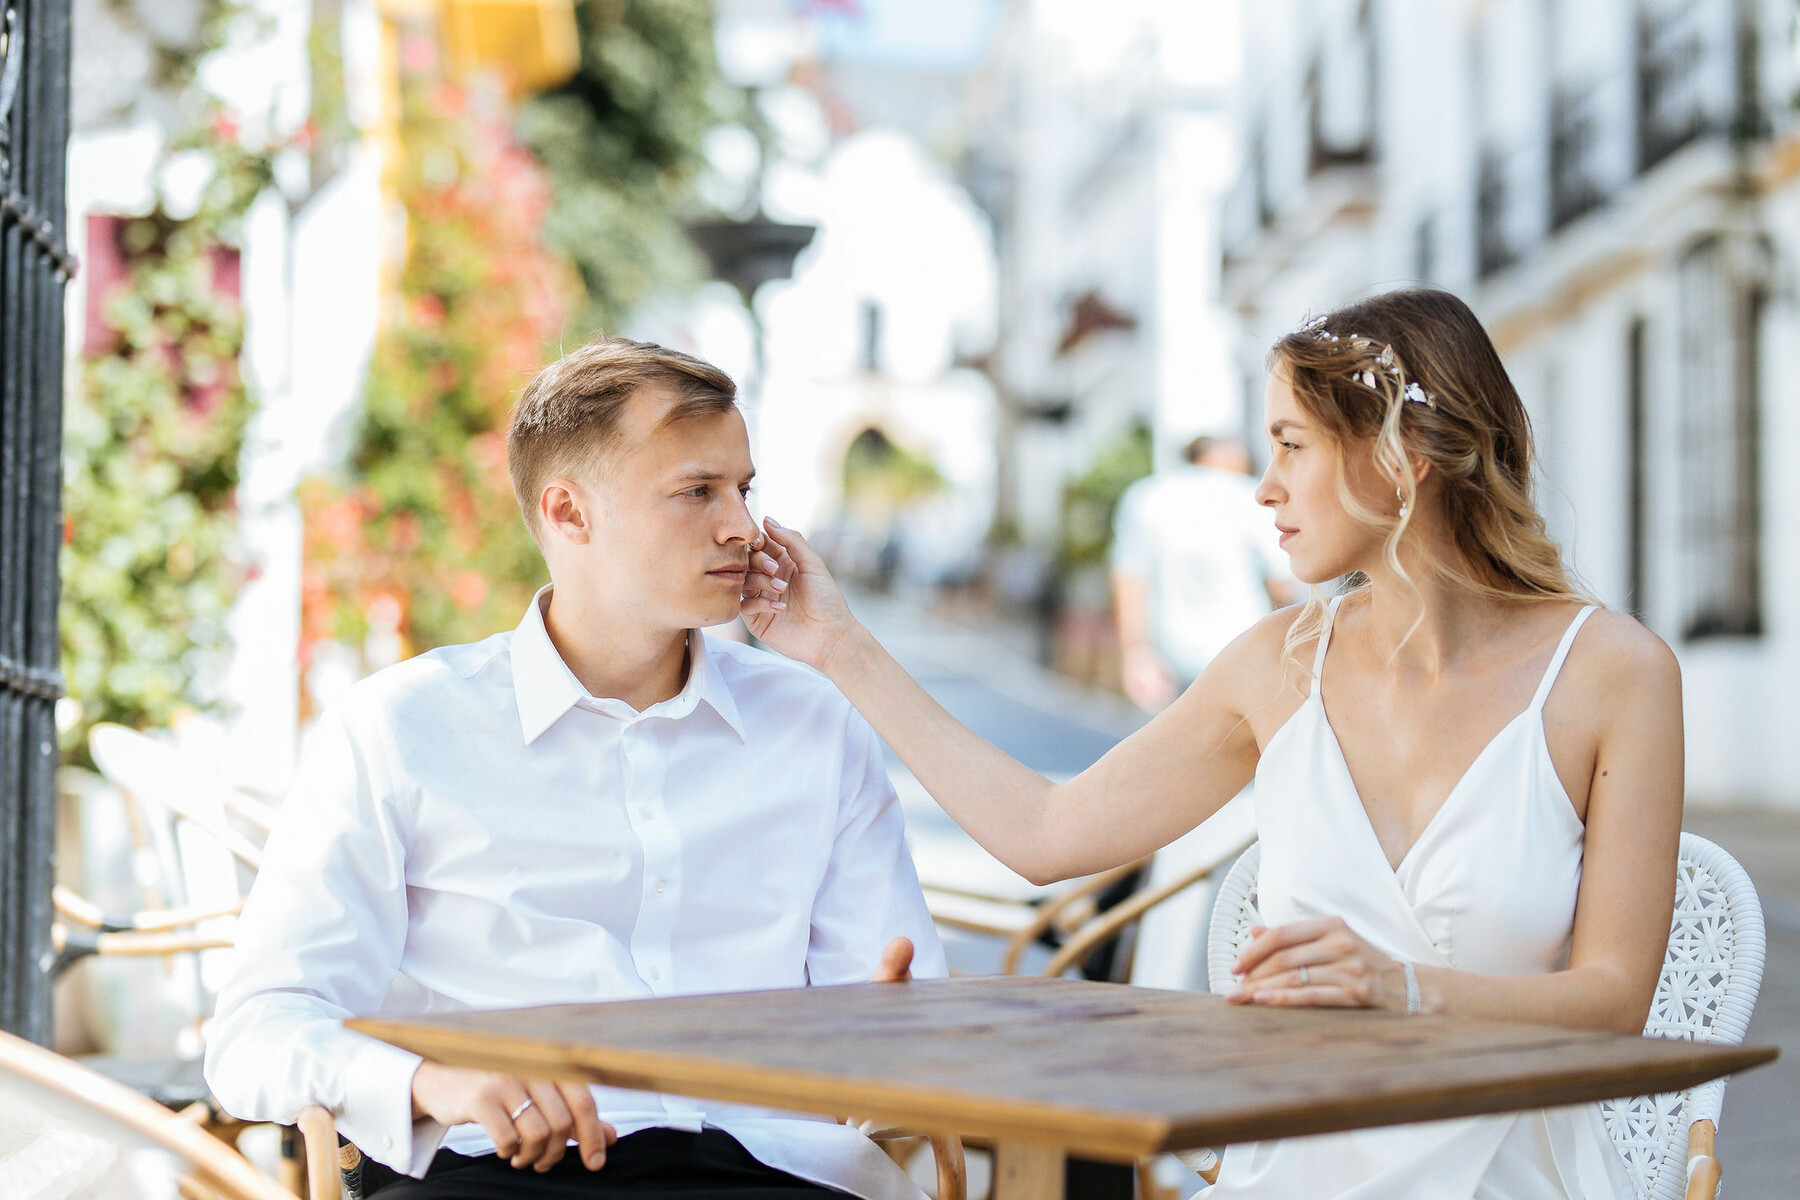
column 1710, row 977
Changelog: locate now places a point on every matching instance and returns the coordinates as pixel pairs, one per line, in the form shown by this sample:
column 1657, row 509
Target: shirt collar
column 544, row 687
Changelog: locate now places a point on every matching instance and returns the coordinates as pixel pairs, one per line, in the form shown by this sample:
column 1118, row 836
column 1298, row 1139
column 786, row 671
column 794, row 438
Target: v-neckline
column 1431, row 823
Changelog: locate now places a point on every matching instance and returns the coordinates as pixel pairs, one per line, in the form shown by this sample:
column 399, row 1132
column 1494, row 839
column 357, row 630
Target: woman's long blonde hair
column 1414, row 373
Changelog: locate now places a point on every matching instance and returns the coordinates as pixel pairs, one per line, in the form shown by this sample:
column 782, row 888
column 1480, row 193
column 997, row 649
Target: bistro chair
column 98, row 1121
column 1710, row 976
column 1079, row 927
column 204, row 838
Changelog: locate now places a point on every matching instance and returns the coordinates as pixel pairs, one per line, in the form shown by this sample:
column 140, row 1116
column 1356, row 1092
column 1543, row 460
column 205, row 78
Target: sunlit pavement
column 1057, row 727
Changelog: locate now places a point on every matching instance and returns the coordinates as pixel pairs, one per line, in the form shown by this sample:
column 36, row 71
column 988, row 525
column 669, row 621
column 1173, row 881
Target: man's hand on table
column 896, row 962
column 539, row 1136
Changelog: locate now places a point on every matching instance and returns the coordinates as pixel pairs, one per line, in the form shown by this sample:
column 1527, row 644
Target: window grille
column 1722, row 298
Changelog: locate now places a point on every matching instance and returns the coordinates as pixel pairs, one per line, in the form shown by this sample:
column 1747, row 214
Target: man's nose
column 741, row 525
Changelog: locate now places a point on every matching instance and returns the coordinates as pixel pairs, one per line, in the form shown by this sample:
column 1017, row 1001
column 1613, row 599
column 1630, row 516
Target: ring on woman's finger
column 518, row 1112
column 1305, row 981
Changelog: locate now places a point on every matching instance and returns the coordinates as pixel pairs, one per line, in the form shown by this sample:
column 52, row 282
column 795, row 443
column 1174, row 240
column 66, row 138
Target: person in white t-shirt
column 603, row 803
column 1195, row 562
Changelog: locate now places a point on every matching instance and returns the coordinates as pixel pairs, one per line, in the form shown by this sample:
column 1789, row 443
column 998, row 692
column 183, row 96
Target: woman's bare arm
column 1149, row 789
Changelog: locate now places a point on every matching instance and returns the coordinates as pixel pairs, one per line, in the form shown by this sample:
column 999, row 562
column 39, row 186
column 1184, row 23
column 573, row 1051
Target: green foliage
column 881, row 478
column 621, row 141
column 152, row 432
column 1090, row 500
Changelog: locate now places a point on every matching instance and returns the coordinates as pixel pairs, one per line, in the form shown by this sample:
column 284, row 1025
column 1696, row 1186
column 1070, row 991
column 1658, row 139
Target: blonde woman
column 1468, row 776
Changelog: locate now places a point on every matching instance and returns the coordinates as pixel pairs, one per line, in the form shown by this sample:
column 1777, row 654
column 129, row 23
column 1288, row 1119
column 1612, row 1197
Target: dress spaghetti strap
column 1324, row 641
column 1556, row 660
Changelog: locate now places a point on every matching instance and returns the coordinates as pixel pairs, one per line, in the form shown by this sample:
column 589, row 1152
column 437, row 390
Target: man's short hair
column 1198, row 449
column 567, row 421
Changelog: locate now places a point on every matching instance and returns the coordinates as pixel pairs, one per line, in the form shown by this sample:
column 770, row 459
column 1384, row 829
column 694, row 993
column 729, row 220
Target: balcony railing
column 1684, row 75
column 1340, row 108
column 1494, row 248
column 1576, row 181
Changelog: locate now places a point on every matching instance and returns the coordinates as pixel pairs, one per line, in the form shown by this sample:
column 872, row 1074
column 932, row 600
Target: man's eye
column 698, row 493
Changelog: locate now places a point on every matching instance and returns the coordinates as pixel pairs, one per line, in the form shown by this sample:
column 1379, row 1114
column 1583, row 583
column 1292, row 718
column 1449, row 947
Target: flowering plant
column 421, row 536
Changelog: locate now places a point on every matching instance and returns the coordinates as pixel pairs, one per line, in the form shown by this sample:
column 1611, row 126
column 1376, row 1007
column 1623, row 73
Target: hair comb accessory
column 1413, row 392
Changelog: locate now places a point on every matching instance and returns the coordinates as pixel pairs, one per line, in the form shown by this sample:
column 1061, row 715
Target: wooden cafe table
column 1050, row 1067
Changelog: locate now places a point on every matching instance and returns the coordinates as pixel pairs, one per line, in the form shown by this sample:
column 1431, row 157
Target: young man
column 601, row 804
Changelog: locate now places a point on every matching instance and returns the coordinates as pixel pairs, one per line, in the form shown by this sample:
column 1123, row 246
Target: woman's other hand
column 791, row 602
column 1316, row 963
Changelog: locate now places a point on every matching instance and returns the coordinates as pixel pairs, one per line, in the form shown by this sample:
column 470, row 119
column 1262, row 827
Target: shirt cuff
column 377, row 1113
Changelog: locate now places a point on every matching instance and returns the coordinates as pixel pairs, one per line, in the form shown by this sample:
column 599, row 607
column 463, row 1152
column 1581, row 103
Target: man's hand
column 539, row 1136
column 896, row 962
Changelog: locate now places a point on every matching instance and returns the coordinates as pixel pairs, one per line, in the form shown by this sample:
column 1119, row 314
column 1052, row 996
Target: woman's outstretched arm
column 1149, row 789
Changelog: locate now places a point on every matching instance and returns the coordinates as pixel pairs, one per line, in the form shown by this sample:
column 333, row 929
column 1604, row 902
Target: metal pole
column 34, row 269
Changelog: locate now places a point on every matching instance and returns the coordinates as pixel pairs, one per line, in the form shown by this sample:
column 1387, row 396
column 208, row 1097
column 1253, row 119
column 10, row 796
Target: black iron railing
column 34, row 268
column 1576, row 187
column 1680, row 55
column 1494, row 248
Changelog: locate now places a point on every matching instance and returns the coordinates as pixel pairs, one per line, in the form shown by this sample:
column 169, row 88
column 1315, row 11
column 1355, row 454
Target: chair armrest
column 76, row 908
column 1703, row 1170
column 1107, row 925
column 133, row 943
column 1055, row 910
column 946, row 1152
column 322, row 1159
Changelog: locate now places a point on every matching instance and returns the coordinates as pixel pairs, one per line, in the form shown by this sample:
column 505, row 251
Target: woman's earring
column 1403, row 508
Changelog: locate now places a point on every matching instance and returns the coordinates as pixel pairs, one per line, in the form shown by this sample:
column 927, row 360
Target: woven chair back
column 1711, row 973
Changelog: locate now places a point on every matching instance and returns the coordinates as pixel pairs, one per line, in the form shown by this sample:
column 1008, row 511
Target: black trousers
column 664, row 1164
column 652, row 1164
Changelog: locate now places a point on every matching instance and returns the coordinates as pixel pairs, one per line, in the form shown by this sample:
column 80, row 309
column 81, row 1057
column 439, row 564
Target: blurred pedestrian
column 1195, row 562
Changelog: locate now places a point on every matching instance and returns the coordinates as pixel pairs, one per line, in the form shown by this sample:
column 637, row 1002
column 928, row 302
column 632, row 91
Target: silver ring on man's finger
column 1304, row 982
column 518, row 1112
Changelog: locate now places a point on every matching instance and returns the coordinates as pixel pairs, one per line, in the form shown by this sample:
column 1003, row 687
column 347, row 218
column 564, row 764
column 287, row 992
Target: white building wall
column 1460, row 81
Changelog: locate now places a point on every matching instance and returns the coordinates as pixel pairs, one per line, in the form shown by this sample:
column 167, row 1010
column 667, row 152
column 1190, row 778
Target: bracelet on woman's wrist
column 1413, row 1001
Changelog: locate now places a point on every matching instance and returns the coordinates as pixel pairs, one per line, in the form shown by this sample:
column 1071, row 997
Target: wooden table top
column 1098, row 1069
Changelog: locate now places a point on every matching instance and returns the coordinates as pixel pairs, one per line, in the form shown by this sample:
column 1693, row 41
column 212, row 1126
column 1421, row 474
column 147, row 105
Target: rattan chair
column 1082, row 928
column 1710, row 976
column 109, row 1115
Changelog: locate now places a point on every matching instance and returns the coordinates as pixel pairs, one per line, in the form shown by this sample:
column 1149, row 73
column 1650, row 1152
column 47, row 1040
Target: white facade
column 1614, row 185
column 1099, row 145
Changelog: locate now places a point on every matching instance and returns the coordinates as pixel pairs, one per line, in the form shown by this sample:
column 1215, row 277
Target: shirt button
column 645, row 812
column 662, row 885
column 654, row 973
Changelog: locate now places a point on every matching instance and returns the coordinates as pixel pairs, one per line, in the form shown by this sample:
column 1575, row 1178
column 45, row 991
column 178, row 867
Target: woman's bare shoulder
column 1258, row 666
column 1616, row 659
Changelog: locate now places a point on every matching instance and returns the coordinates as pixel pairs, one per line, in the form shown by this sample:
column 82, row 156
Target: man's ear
column 563, row 511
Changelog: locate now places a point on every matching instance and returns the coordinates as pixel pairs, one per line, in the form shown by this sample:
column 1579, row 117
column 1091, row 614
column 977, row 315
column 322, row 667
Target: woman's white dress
column 1488, row 887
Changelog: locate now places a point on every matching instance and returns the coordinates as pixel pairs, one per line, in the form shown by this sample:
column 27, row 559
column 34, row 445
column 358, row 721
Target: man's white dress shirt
column 471, row 829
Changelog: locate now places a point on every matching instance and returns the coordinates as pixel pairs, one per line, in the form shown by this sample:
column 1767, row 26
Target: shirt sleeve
column 870, row 893
column 320, row 939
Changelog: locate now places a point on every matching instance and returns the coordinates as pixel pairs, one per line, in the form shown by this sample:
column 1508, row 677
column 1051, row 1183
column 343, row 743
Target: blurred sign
column 532, row 44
